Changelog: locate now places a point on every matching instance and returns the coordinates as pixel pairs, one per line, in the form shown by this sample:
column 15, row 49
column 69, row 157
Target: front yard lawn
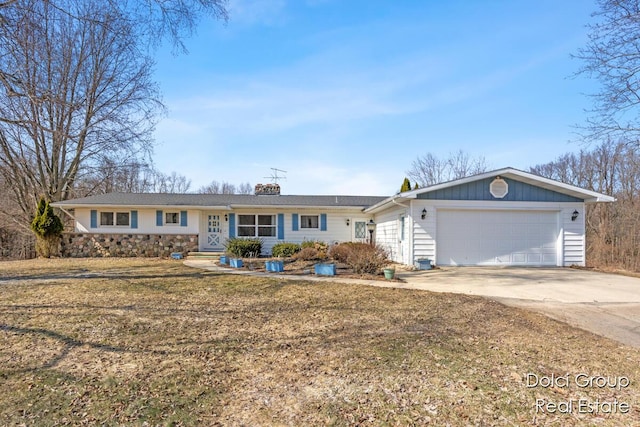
column 152, row 342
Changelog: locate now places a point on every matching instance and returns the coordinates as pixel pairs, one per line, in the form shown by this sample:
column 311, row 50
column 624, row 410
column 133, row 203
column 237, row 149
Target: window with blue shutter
column 323, row 222
column 159, row 218
column 94, row 218
column 183, row 218
column 232, row 225
column 134, row 219
column 294, row 222
column 281, row 226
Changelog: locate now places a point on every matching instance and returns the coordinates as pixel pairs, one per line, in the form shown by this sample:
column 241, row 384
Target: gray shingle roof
column 218, row 200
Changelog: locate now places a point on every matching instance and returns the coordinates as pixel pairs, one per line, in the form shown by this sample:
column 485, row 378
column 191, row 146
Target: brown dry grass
column 148, row 342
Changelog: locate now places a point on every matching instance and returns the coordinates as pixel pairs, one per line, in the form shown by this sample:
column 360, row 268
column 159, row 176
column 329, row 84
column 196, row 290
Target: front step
column 213, row 256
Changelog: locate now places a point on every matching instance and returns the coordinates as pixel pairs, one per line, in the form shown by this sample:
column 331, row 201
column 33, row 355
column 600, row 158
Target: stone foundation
column 77, row 245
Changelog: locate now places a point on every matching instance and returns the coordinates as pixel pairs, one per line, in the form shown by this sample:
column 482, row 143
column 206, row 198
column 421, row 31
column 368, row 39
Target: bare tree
column 170, row 183
column 215, row 187
column 81, row 94
column 612, row 56
column 429, row 169
column 245, row 188
column 613, row 229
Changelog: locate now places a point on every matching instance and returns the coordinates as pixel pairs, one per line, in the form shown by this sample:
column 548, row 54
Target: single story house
column 502, row 217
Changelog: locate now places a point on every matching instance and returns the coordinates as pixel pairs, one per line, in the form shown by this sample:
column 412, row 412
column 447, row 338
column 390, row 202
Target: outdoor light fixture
column 371, row 226
column 574, row 215
column 226, row 217
column 348, row 222
column 424, row 213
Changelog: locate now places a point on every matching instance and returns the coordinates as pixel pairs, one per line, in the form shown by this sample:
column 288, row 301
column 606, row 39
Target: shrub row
column 285, row 249
column 242, row 247
column 360, row 257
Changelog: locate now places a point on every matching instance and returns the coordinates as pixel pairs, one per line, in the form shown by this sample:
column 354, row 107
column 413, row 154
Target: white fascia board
column 306, row 207
column 117, row 206
column 396, row 200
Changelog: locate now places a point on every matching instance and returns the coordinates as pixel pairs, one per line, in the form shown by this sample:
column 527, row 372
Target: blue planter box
column 325, row 269
column 274, row 266
column 224, row 259
column 176, row 255
column 235, row 262
column 423, row 264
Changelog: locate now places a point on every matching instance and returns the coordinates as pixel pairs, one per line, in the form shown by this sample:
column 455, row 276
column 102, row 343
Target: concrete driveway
column 606, row 304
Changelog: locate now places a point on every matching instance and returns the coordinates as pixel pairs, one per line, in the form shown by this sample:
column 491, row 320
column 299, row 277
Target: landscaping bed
column 302, row 267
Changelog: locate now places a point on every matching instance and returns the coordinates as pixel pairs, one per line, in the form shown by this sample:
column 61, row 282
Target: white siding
column 573, row 235
column 146, row 222
column 387, row 233
column 337, row 229
column 570, row 242
column 424, row 231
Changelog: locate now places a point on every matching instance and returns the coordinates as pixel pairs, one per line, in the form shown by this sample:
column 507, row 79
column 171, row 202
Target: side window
column 120, row 219
column 309, row 221
column 172, row 218
column 361, row 230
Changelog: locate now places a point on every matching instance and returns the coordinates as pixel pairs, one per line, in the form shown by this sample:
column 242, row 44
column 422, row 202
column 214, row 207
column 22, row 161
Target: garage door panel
column 472, row 237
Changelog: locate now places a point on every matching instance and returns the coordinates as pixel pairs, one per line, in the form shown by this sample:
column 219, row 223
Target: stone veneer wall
column 75, row 245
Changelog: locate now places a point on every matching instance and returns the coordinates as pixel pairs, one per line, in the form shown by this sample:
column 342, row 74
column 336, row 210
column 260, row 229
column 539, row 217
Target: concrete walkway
column 606, row 304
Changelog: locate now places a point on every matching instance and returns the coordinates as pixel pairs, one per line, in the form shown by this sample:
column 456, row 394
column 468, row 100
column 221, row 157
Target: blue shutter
column 94, row 218
column 183, row 218
column 323, row 222
column 159, row 218
column 232, row 225
column 280, row 226
column 294, row 222
column 134, row 219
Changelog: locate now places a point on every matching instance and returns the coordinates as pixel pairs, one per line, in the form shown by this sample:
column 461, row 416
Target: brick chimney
column 267, row 190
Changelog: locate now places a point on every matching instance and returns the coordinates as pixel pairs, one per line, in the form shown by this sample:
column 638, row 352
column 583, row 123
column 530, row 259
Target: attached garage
column 496, row 237
column 503, row 217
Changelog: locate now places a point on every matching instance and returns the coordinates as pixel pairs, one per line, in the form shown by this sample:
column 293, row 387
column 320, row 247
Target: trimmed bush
column 318, row 246
column 285, row 249
column 341, row 252
column 309, row 254
column 244, row 248
column 360, row 257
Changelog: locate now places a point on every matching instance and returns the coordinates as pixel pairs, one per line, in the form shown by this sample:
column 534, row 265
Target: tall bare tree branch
column 612, row 57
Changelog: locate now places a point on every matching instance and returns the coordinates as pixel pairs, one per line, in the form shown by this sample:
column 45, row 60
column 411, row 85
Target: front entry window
column 256, row 225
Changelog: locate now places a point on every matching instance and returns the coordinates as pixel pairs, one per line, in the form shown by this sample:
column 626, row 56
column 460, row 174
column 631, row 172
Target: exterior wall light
column 424, row 213
column 348, row 222
column 574, row 215
column 226, row 217
column 371, row 226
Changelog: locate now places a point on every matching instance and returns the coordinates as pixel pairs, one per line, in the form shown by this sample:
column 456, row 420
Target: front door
column 214, row 238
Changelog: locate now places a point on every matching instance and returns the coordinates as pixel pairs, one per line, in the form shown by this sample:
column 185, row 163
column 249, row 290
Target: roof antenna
column 274, row 176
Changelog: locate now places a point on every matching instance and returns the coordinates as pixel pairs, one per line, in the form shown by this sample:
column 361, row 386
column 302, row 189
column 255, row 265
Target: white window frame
column 303, row 223
column 258, row 228
column 114, row 219
column 166, row 219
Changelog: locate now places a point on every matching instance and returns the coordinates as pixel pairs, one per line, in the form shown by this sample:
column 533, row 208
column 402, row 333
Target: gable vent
column 499, row 188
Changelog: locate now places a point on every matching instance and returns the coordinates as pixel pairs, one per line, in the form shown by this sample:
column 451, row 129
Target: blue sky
column 345, row 94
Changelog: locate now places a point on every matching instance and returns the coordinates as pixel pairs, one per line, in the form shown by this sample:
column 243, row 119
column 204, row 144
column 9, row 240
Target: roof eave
column 571, row 190
column 128, row 205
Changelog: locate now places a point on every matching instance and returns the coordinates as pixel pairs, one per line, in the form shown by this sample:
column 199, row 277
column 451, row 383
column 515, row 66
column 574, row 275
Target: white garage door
column 472, row 237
